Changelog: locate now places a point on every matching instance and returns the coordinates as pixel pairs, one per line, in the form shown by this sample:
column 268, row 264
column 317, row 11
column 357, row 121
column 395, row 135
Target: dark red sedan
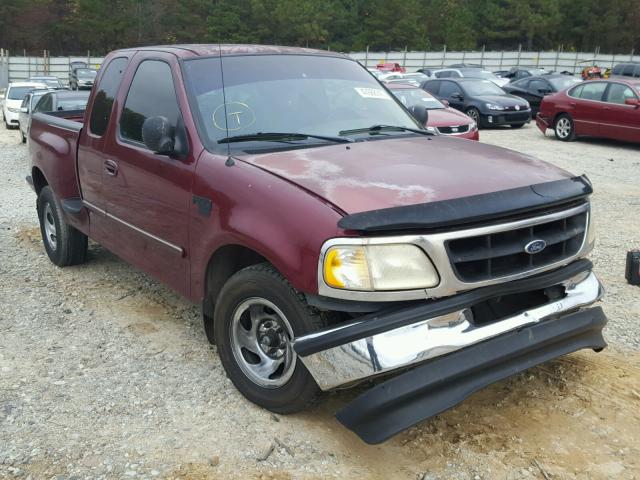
column 442, row 118
column 598, row 108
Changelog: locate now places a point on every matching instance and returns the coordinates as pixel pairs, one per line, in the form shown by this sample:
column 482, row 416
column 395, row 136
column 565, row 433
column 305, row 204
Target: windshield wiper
column 379, row 128
column 281, row 137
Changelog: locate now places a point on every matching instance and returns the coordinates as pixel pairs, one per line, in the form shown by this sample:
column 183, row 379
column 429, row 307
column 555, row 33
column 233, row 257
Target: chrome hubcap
column 261, row 342
column 50, row 227
column 563, row 127
column 474, row 115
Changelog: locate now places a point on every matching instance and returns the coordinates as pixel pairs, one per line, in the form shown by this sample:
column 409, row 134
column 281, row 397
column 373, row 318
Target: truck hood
column 378, row 174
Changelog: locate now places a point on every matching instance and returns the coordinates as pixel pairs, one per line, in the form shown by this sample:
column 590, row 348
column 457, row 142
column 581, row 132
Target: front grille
column 514, row 117
column 513, row 108
column 501, row 254
column 453, row 130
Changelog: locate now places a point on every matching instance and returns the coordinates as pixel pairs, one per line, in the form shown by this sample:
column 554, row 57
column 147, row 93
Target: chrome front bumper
column 431, row 337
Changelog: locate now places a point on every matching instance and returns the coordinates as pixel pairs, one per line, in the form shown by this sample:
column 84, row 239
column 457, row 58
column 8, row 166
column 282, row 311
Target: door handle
column 111, row 167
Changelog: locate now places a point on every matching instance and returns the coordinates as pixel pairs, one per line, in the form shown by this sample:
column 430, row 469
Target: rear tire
column 64, row 244
column 257, row 315
column 564, row 129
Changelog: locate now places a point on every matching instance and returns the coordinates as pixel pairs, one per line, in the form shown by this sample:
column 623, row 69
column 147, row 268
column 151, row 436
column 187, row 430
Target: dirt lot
column 104, row 373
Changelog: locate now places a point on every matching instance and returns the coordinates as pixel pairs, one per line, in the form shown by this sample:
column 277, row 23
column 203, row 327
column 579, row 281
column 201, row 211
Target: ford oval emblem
column 536, row 246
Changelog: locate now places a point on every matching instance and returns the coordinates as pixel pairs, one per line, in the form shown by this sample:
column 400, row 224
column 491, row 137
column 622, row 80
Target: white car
column 13, row 96
column 470, row 72
column 415, row 79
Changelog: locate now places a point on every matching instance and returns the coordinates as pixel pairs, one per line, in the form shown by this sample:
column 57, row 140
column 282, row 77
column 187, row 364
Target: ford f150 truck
column 329, row 238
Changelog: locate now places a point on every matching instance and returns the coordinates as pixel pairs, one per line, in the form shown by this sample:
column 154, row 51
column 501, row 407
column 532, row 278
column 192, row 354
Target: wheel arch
column 39, row 180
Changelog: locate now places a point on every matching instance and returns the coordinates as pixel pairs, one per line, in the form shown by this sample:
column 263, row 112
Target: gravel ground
column 104, row 373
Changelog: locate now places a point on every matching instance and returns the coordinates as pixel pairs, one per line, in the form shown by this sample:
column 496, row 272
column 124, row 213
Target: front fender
column 257, row 210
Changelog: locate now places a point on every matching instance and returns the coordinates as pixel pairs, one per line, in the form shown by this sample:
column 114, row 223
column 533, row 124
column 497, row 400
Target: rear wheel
column 257, row 316
column 474, row 114
column 64, row 244
column 563, row 128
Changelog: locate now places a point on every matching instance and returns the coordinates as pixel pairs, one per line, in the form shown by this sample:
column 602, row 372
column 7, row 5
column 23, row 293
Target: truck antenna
column 230, row 161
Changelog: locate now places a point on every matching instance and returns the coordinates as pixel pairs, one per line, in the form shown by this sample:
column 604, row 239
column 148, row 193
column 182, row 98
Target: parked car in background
column 516, row 73
column 62, row 100
column 415, row 79
column 482, row 100
column 533, row 89
column 470, row 73
column 501, row 73
column 50, row 81
column 442, row 119
column 629, row 69
column 26, row 109
column 77, row 64
column 82, row 78
column 597, row 108
column 13, row 96
column 465, row 65
column 391, row 67
column 448, row 264
column 428, row 71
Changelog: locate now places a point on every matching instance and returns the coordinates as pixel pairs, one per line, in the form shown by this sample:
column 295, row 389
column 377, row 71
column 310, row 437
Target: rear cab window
column 103, row 100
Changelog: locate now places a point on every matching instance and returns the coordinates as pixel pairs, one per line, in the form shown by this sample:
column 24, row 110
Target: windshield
column 561, row 83
column 303, row 94
column 86, row 72
column 416, row 96
column 18, row 93
column 482, row 87
column 35, row 98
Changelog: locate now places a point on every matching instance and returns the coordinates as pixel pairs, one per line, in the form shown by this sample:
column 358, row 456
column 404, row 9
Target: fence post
column 404, row 57
column 501, row 58
column 631, row 57
column 88, row 59
column 482, row 55
column 519, row 51
column 444, row 55
column 366, row 57
column 424, row 58
column 555, row 67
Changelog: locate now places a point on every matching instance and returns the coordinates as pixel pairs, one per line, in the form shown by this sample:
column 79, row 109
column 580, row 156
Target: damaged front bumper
column 405, row 337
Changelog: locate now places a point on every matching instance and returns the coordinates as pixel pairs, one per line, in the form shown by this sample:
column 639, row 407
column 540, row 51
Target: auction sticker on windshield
column 373, row 93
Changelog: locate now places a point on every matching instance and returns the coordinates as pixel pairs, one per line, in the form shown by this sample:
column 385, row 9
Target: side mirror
column 632, row 101
column 420, row 113
column 445, row 102
column 457, row 96
column 158, row 135
column 24, row 110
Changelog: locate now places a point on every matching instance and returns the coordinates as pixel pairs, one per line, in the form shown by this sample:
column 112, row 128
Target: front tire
column 257, row 316
column 474, row 114
column 564, row 128
column 64, row 244
column 24, row 139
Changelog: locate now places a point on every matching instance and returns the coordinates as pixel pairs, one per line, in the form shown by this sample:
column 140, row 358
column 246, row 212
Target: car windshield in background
column 50, row 82
column 561, row 83
column 18, row 93
column 477, row 73
column 295, row 94
column 482, row 87
column 416, row 96
column 86, row 72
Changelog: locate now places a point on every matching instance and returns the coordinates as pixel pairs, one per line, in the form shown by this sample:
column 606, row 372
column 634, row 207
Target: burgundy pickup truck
column 329, row 238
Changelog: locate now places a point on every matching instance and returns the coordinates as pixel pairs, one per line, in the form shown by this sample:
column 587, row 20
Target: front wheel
column 474, row 114
column 64, row 244
column 24, row 139
column 564, row 129
column 257, row 316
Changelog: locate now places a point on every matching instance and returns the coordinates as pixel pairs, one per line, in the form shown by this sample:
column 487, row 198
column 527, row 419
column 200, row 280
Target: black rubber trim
column 29, row 180
column 72, row 206
column 468, row 210
column 442, row 383
column 390, row 319
column 353, row 306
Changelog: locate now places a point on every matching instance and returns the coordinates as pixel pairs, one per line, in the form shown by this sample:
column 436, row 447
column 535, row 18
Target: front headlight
column 492, row 106
column 378, row 267
column 431, row 129
column 14, row 110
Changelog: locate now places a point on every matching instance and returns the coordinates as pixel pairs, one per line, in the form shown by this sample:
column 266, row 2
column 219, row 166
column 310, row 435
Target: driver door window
column 152, row 94
column 449, row 89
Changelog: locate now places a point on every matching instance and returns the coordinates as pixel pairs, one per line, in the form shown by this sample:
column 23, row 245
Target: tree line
column 65, row 27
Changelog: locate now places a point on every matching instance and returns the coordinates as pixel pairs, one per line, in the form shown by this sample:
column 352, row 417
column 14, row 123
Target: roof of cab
column 214, row 49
